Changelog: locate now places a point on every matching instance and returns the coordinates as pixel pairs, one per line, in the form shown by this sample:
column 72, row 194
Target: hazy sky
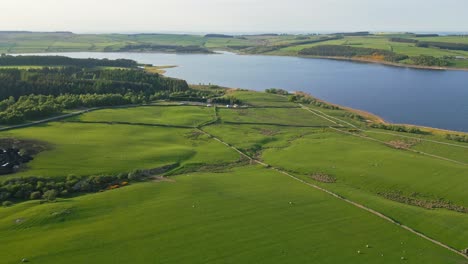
column 233, row 15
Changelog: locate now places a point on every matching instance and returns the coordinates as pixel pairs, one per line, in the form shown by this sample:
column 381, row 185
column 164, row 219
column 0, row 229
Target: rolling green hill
column 159, row 176
column 218, row 206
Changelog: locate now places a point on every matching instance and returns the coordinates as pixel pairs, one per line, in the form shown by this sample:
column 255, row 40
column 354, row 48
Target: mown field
column 215, row 209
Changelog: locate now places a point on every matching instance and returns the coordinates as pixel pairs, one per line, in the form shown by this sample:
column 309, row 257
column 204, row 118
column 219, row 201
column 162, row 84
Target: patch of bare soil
column 194, row 134
column 402, row 144
column 161, row 179
column 322, row 177
column 268, row 132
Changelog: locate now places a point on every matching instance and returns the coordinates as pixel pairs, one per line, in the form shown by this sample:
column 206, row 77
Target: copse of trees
column 456, row 137
column 403, row 40
column 164, row 48
column 347, row 51
column 425, row 60
column 426, row 35
column 218, row 36
column 307, row 99
column 72, row 80
column 231, row 100
column 30, row 107
column 36, row 188
column 277, row 91
column 443, row 45
column 8, row 60
column 48, row 189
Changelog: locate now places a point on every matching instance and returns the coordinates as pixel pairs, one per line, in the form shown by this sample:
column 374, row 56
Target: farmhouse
column 10, row 159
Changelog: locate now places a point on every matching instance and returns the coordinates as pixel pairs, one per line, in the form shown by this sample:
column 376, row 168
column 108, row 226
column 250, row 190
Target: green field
column 165, row 115
column 240, row 216
column 220, row 207
column 93, row 149
column 280, row 116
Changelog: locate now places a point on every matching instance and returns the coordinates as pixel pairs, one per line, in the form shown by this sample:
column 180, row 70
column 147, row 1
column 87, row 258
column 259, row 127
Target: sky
column 279, row 16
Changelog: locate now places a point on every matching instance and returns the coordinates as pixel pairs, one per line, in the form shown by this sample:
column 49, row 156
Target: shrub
column 7, row 203
column 50, row 195
column 135, row 175
column 35, row 196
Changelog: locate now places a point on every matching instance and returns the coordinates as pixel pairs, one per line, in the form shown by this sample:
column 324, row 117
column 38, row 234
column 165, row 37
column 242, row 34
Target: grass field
column 93, row 149
column 166, row 115
column 262, row 99
column 280, row 116
column 238, row 213
column 240, row 216
column 372, row 166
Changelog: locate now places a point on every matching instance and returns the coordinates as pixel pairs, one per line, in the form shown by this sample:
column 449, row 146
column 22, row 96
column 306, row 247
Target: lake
column 400, row 95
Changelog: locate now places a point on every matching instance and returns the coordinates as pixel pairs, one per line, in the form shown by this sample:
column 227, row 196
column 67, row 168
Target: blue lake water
column 401, row 95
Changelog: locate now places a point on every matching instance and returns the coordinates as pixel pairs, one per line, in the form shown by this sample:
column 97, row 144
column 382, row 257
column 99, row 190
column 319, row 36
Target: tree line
column 48, row 189
column 72, row 80
column 8, row 60
column 307, row 99
column 31, row 107
column 442, row 45
column 165, row 48
column 399, row 128
column 434, row 44
column 347, row 51
column 277, row 91
column 425, row 60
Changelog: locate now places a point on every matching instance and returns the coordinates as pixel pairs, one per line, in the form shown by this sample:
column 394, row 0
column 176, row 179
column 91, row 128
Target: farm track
column 378, row 132
column 324, row 116
column 358, row 205
column 51, row 119
column 271, row 124
column 130, row 123
column 403, row 148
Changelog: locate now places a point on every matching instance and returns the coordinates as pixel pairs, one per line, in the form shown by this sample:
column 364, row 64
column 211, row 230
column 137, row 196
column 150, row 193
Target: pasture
column 279, row 116
column 94, row 149
column 164, row 115
column 244, row 215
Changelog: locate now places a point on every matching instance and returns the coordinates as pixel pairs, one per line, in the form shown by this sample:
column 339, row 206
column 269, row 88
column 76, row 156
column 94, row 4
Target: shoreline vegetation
column 386, row 63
